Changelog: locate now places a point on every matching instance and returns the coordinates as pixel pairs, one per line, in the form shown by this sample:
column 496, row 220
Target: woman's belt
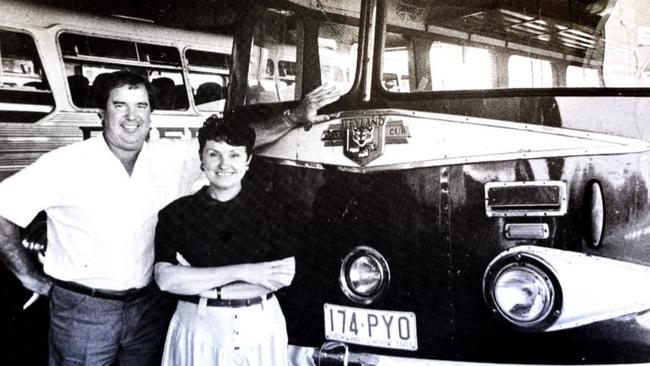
column 233, row 303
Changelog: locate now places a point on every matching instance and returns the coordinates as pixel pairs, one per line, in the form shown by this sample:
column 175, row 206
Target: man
column 102, row 197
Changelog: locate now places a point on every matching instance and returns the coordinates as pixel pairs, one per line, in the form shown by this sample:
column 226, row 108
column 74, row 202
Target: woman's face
column 224, row 165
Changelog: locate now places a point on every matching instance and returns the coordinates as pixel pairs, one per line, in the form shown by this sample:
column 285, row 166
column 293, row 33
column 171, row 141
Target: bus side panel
column 431, row 226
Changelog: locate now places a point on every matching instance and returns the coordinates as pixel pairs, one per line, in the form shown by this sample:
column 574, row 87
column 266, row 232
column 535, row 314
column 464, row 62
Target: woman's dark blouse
column 210, row 233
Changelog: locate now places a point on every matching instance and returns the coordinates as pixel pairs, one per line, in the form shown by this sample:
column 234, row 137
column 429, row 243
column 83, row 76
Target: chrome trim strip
column 303, row 355
column 17, row 107
column 618, row 145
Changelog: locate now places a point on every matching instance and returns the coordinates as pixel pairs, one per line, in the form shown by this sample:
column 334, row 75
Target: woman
column 217, row 251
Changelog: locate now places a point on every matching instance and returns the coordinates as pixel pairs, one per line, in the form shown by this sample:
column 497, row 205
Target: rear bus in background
column 53, row 61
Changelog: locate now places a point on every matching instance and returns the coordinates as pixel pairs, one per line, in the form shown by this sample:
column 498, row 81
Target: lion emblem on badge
column 362, row 137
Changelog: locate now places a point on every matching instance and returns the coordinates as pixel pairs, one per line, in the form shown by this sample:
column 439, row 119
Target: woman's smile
column 225, row 173
column 224, row 166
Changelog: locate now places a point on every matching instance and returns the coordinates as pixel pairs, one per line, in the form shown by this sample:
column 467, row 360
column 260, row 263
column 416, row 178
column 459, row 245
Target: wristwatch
column 289, row 121
column 286, row 118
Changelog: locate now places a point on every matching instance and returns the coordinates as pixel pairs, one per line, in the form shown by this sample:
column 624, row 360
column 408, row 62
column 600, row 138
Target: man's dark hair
column 232, row 130
column 103, row 86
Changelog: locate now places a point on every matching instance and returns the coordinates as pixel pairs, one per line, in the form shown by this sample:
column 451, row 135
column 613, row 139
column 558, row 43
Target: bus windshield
column 284, row 39
column 441, row 45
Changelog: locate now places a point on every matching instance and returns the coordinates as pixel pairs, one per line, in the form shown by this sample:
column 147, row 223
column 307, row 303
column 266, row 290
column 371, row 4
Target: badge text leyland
column 363, row 137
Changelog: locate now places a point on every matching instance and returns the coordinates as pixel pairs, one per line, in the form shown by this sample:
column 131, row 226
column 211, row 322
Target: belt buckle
column 132, row 294
column 128, row 296
column 230, row 303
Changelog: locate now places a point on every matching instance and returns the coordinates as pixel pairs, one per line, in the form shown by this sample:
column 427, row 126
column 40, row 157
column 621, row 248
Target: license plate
column 368, row 327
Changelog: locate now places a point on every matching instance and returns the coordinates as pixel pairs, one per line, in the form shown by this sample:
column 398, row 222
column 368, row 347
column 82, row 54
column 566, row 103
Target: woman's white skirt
column 218, row 335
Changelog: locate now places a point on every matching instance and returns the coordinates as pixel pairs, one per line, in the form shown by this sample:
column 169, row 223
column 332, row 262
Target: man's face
column 127, row 117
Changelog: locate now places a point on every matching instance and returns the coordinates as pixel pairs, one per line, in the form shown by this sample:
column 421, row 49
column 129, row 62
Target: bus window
column 25, row 94
column 337, row 50
column 208, row 74
column 582, row 77
column 395, row 68
column 526, row 72
column 270, row 68
column 274, row 41
column 455, row 67
column 517, row 44
column 87, row 57
column 287, row 69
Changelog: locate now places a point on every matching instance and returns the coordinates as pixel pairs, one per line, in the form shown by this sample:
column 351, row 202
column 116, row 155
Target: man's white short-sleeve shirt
column 101, row 221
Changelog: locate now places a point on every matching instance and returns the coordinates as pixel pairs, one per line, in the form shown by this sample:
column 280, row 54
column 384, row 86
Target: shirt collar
column 140, row 162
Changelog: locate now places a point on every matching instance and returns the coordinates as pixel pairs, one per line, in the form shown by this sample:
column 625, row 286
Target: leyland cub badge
column 363, row 137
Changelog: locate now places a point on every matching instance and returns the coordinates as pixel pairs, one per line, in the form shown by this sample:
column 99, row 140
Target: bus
column 479, row 194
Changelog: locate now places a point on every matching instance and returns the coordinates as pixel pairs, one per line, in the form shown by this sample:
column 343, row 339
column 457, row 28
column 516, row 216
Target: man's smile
column 131, row 126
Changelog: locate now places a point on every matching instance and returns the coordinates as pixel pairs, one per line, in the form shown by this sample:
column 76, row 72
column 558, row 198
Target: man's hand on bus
column 306, row 112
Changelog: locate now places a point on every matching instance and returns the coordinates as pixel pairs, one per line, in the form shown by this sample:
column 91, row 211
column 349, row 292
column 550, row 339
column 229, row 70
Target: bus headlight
column 364, row 275
column 523, row 290
column 522, row 294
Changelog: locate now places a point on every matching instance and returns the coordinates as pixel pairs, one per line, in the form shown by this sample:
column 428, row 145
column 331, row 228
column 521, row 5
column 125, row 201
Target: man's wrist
column 288, row 119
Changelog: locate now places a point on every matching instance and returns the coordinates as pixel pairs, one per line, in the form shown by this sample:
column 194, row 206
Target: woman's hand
column 183, row 279
column 273, row 275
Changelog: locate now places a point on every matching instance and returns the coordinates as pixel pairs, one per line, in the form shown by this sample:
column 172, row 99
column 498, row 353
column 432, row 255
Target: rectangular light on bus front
column 521, row 199
column 535, row 231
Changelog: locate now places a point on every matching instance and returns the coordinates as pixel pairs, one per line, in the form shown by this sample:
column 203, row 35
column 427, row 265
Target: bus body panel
column 431, row 226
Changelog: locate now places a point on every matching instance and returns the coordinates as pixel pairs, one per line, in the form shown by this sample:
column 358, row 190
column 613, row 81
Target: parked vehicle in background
column 53, row 59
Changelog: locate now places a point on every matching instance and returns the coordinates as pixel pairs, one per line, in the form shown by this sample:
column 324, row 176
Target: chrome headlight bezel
column 374, row 258
column 540, row 269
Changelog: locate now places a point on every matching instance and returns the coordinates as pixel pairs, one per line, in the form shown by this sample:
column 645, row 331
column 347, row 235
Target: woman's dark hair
column 232, row 130
column 104, row 83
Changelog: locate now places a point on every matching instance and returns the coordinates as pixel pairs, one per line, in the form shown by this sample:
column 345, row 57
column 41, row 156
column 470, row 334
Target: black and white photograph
column 324, row 182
